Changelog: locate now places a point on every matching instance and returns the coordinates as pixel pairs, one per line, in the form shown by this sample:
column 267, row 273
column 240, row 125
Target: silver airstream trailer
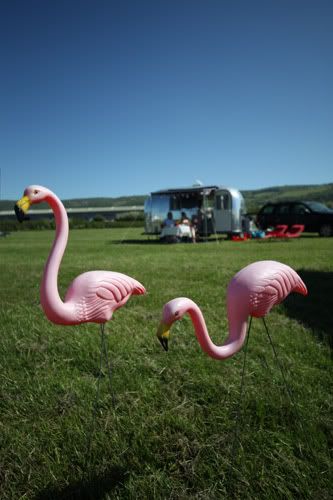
column 213, row 209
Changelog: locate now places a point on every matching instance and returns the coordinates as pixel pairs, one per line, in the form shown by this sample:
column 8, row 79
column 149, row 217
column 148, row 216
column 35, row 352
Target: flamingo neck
column 55, row 309
column 232, row 344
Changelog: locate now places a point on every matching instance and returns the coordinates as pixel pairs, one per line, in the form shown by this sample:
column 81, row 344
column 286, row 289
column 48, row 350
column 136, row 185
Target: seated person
column 185, row 220
column 168, row 222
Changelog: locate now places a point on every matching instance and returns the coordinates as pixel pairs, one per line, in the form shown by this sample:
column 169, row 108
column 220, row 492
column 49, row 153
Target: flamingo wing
column 118, row 287
column 97, row 294
column 256, row 288
column 272, row 288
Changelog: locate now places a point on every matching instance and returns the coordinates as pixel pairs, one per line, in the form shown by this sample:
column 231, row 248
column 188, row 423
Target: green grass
column 169, row 433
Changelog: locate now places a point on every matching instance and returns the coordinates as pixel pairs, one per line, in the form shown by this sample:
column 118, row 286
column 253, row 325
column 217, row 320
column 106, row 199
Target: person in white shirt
column 185, row 220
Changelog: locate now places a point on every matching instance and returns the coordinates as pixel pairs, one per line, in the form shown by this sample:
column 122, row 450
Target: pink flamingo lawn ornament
column 93, row 296
column 253, row 291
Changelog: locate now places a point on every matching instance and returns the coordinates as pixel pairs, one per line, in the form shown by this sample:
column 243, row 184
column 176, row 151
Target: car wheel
column 325, row 230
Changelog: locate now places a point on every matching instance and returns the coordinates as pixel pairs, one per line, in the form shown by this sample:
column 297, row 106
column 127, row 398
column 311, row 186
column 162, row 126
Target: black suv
column 316, row 217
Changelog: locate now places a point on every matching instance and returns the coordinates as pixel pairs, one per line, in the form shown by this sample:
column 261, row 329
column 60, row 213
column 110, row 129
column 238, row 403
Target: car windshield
column 318, row 207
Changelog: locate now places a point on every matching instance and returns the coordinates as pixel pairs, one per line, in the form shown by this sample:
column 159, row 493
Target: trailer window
column 160, row 206
column 174, row 203
column 223, row 202
column 184, row 201
column 209, row 201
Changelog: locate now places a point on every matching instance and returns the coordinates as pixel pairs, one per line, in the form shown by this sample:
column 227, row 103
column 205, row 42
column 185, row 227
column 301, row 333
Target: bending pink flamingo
column 253, row 291
column 92, row 296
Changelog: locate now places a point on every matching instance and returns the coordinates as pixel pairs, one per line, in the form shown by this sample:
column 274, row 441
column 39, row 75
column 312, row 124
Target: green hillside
column 89, row 202
column 121, row 201
column 254, row 198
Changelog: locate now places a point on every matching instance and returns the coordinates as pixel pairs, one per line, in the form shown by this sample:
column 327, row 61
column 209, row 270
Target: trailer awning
column 205, row 190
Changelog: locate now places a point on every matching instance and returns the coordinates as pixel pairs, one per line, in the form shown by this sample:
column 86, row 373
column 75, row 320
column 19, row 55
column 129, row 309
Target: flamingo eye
column 176, row 314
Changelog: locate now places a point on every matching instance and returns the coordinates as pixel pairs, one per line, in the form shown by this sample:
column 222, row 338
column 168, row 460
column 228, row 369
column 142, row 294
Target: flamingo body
column 92, row 296
column 261, row 285
column 253, row 291
column 95, row 295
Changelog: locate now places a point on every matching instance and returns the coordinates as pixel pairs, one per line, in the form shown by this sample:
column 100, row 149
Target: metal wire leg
column 104, row 346
column 238, row 413
column 308, row 438
column 287, row 387
column 95, row 406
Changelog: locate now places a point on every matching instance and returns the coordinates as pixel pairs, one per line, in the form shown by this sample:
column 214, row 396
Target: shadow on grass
column 93, row 488
column 315, row 310
column 159, row 242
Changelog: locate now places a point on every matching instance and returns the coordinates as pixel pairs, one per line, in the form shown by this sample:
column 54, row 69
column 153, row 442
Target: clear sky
column 111, row 98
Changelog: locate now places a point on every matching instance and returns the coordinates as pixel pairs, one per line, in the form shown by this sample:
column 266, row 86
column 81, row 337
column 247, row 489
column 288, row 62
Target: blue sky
column 111, row 98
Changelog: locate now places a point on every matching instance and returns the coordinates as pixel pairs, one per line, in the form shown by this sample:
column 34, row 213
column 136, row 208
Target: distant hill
column 121, row 201
column 254, row 199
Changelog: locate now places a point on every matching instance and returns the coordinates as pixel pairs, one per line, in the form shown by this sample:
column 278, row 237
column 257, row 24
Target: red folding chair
column 278, row 232
column 295, row 231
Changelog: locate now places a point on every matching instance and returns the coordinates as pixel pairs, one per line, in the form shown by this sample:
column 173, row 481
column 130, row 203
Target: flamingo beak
column 21, row 207
column 163, row 333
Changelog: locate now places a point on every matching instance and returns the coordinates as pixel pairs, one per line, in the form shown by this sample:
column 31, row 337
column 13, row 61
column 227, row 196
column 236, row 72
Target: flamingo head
column 173, row 311
column 32, row 194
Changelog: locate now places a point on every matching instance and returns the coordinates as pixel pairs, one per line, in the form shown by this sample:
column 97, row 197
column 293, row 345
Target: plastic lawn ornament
column 253, row 291
column 92, row 296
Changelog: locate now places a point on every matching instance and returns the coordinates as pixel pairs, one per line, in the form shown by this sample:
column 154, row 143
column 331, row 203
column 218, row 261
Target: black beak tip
column 20, row 215
column 164, row 344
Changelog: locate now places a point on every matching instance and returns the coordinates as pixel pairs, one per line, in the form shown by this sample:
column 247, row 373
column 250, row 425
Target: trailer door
column 223, row 211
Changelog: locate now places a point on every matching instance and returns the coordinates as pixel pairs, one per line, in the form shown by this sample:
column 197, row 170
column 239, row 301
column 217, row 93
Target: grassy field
column 168, row 431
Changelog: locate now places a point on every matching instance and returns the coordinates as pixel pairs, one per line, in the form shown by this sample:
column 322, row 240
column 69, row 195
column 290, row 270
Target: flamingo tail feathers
column 138, row 288
column 300, row 287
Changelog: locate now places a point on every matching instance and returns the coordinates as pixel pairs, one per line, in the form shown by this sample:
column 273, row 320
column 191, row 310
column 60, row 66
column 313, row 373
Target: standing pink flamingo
column 253, row 291
column 92, row 296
